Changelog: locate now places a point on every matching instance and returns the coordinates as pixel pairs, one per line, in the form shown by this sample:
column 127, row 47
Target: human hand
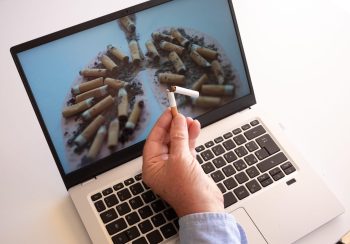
column 170, row 167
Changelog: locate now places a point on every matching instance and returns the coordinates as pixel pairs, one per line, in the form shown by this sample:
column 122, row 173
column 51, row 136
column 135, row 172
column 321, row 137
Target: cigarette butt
column 135, row 52
column 123, row 105
column 197, row 86
column 207, row 102
column 128, row 24
column 95, row 93
column 198, row 59
column 157, row 36
column 77, row 108
column 218, row 90
column 113, row 134
column 152, row 51
column 98, row 108
column 206, row 52
column 118, row 54
column 167, row 46
column 218, row 71
column 184, row 91
column 177, row 62
column 94, row 72
column 89, row 131
column 179, row 37
column 172, row 79
column 134, row 116
column 109, row 63
column 172, row 103
column 97, row 143
column 115, row 84
column 87, row 86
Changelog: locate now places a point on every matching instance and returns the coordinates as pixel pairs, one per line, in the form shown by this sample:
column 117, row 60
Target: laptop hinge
column 88, row 182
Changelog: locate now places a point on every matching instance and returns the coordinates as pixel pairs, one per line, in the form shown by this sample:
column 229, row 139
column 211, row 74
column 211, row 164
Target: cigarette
column 205, row 52
column 157, row 36
column 134, row 116
column 172, row 103
column 123, row 105
column 152, row 51
column 135, row 52
column 128, row 24
column 113, row 134
column 89, row 131
column 218, row 71
column 218, row 90
column 109, row 63
column 115, row 84
column 177, row 35
column 94, row 72
column 168, row 46
column 97, row 143
column 177, row 62
column 98, row 108
column 207, row 102
column 197, row 86
column 171, row 79
column 118, row 54
column 77, row 108
column 95, row 93
column 198, row 59
column 87, row 86
column 184, row 91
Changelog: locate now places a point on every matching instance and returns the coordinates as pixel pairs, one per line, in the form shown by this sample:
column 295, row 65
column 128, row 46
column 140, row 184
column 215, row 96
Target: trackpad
column 253, row 234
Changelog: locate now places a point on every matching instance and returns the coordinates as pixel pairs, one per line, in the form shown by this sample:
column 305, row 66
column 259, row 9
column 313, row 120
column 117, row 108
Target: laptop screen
column 100, row 90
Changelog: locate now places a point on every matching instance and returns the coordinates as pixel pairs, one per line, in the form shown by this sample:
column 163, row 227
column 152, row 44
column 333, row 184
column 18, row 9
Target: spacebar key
column 272, row 162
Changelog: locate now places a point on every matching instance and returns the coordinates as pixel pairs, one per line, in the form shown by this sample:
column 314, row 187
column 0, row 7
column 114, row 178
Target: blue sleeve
column 210, row 228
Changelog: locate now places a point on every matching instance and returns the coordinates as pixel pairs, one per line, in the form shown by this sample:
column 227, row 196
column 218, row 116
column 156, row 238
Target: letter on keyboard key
column 207, row 155
column 109, row 215
column 116, row 226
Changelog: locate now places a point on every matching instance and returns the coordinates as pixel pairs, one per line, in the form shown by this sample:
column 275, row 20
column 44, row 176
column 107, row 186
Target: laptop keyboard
column 241, row 163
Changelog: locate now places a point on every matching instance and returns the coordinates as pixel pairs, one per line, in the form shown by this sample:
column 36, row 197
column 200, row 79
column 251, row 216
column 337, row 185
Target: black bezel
column 134, row 151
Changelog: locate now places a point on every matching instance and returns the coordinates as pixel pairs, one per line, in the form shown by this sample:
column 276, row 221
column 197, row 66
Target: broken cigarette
column 118, row 54
column 98, row 108
column 77, row 108
column 171, row 79
column 167, row 46
column 218, row 90
column 97, row 143
column 152, row 51
column 123, row 105
column 134, row 116
column 218, row 71
column 179, row 37
column 135, row 52
column 172, row 103
column 198, row 59
column 177, row 62
column 157, row 36
column 115, row 84
column 197, row 86
column 128, row 24
column 94, row 72
column 207, row 102
column 205, row 52
column 89, row 131
column 95, row 93
column 87, row 86
column 109, row 63
column 113, row 134
column 184, row 91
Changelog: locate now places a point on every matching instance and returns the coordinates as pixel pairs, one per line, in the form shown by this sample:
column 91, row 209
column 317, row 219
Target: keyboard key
column 253, row 186
column 254, row 123
column 240, row 165
column 141, row 240
column 132, row 218
column 275, row 171
column 209, row 144
column 237, row 131
column 123, row 208
column 288, row 168
column 278, row 176
column 255, row 132
column 136, row 188
column 217, row 176
column 229, row 144
column 230, row 183
column 262, row 154
column 124, row 194
column 132, row 233
column 120, row 238
column 267, row 142
column 136, row 202
column 241, row 177
column 145, row 226
column 251, row 146
column 252, row 172
column 158, row 206
column 241, row 192
column 145, row 212
column 158, row 220
column 128, row 182
column 271, row 162
column 241, row 151
column 219, row 139
column 246, row 127
column 100, row 206
column 230, row 157
column 228, row 170
column 168, row 230
column 250, row 159
column 208, row 168
column 221, row 187
column 116, row 226
column 219, row 162
column 117, row 187
column 199, row 159
column 265, row 180
column 107, row 191
column 96, row 196
column 286, row 165
column 111, row 200
column 138, row 177
column 239, row 139
column 218, row 149
column 200, row 148
column 170, row 214
column 228, row 135
column 154, row 237
column 109, row 215
column 207, row 155
column 176, row 223
column 148, row 196
column 229, row 199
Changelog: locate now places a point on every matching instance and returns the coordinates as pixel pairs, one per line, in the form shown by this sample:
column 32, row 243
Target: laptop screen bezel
column 88, row 172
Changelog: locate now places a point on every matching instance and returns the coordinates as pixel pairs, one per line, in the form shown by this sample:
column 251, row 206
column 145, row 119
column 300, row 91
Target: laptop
column 98, row 88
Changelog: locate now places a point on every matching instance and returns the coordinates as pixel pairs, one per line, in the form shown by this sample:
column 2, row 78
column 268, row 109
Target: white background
column 298, row 52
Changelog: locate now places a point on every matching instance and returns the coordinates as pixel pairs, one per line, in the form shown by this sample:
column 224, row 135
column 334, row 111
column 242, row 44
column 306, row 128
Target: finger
column 193, row 133
column 179, row 135
column 161, row 127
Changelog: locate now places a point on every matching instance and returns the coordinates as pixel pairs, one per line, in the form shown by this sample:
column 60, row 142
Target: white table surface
column 299, row 58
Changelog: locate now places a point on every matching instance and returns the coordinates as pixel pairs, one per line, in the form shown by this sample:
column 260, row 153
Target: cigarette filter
column 177, row 35
column 198, row 59
column 152, row 51
column 94, row 72
column 171, row 79
column 197, row 86
column 128, row 24
column 207, row 102
column 109, row 63
column 118, row 54
column 184, row 91
column 95, row 93
column 157, row 36
column 89, row 131
column 172, row 103
column 177, row 62
column 218, row 71
column 135, row 52
column 97, row 143
column 123, row 105
column 167, row 46
column 218, row 90
column 113, row 134
column 77, row 108
column 115, row 84
column 87, row 86
column 206, row 52
column 134, row 116
column 98, row 108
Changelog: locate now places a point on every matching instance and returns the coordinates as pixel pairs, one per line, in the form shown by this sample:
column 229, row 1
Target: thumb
column 179, row 135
